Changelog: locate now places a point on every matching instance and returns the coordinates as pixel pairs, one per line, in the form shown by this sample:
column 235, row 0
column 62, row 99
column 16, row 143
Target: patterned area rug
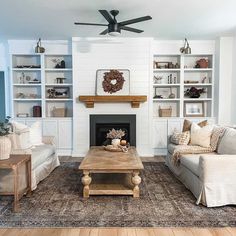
column 164, row 201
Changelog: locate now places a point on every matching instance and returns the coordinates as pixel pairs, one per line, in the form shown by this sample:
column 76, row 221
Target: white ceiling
column 172, row 19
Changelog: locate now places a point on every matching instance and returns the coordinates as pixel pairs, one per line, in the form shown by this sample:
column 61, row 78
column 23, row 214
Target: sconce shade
column 186, row 48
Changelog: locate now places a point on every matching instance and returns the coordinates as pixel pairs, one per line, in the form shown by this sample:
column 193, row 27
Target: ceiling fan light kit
column 113, row 27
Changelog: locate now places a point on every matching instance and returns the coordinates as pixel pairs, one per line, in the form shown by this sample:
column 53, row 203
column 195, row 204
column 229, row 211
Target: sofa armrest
column 49, row 140
column 21, row 151
column 217, row 168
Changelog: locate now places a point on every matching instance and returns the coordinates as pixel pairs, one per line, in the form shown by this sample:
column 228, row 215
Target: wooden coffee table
column 111, row 173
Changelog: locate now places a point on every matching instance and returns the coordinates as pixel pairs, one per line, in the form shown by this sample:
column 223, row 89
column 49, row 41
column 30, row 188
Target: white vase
column 5, row 147
column 115, row 142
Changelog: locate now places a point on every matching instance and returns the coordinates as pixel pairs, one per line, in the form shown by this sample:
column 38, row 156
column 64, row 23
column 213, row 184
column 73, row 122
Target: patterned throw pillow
column 217, row 133
column 187, row 125
column 180, row 138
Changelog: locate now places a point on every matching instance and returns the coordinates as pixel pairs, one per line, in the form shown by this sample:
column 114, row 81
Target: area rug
column 164, row 202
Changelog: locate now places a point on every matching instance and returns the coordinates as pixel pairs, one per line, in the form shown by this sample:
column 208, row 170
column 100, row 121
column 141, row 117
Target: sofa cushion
column 171, row 148
column 191, row 162
column 227, row 144
column 40, row 154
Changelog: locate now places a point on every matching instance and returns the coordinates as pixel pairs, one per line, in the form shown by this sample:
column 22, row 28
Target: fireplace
column 101, row 124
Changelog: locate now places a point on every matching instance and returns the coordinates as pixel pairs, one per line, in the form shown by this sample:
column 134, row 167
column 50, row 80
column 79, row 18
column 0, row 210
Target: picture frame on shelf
column 194, row 109
column 112, row 82
column 58, row 92
column 162, row 64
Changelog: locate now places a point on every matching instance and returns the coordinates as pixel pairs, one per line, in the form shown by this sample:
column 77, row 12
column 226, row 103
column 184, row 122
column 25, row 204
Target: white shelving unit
column 51, row 73
column 166, row 81
column 184, row 77
column 25, row 68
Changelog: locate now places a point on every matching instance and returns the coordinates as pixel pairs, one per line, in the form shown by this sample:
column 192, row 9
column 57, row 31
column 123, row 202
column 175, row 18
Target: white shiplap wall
column 92, row 54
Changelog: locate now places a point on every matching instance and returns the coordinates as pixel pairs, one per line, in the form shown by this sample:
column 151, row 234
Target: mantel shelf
column 133, row 99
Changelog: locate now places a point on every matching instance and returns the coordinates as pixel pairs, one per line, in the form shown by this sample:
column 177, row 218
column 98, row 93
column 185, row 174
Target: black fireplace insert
column 101, row 124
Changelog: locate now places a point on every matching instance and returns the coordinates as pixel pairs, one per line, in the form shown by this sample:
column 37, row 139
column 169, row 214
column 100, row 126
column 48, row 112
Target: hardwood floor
column 120, row 232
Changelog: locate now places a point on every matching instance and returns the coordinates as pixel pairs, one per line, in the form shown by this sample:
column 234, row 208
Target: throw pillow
column 20, row 140
column 180, row 138
column 227, row 144
column 217, row 133
column 13, row 139
column 18, row 127
column 201, row 136
column 187, row 125
column 36, row 134
column 26, row 137
column 21, row 136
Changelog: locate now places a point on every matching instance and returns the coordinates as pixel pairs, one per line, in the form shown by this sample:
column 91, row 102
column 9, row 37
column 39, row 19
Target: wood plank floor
column 120, row 232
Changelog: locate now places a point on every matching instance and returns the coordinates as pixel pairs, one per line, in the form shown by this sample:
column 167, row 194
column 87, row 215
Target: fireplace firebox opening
column 101, row 124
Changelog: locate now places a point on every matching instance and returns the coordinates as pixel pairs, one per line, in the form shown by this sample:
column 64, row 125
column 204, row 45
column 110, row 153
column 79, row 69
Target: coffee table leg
column 136, row 180
column 86, row 180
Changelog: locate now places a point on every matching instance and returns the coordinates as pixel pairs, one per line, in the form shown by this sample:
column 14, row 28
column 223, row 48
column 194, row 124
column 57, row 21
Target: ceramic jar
column 115, row 142
column 203, row 63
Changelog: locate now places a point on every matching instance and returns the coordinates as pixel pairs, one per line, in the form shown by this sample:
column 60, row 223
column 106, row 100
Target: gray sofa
column 211, row 177
column 43, row 161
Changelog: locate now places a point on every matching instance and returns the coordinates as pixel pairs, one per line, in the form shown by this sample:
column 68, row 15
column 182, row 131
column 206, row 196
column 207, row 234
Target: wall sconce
column 185, row 49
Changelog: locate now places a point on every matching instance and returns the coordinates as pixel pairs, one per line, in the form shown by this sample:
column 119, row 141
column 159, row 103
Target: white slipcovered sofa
column 44, row 160
column 211, row 177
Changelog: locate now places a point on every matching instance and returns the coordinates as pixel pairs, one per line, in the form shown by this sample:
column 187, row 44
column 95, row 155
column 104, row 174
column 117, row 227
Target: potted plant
column 115, row 136
column 5, row 142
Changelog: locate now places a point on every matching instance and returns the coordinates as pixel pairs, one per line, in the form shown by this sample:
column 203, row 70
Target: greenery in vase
column 5, row 127
column 193, row 92
column 115, row 134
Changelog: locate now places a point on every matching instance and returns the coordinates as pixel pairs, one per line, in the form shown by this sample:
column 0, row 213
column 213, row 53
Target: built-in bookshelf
column 174, row 76
column 42, row 85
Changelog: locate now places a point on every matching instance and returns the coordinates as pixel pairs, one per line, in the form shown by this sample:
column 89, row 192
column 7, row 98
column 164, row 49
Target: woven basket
column 59, row 112
column 165, row 112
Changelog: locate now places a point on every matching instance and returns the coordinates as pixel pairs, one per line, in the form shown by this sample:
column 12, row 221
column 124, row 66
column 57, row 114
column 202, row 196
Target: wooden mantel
column 133, row 99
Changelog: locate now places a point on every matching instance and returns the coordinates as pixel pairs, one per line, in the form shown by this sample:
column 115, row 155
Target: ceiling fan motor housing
column 114, row 28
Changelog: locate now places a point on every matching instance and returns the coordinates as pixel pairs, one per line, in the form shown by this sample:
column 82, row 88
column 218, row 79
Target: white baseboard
column 64, row 152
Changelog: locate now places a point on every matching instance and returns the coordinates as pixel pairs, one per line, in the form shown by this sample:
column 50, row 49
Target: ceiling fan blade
column 78, row 23
column 107, row 16
column 104, row 32
column 136, row 20
column 131, row 29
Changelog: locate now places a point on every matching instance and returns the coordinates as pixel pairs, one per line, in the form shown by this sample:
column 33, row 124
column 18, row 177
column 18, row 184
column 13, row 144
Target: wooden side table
column 13, row 163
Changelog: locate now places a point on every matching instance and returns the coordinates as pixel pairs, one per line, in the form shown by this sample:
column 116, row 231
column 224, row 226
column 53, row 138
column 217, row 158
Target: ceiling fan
column 113, row 27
